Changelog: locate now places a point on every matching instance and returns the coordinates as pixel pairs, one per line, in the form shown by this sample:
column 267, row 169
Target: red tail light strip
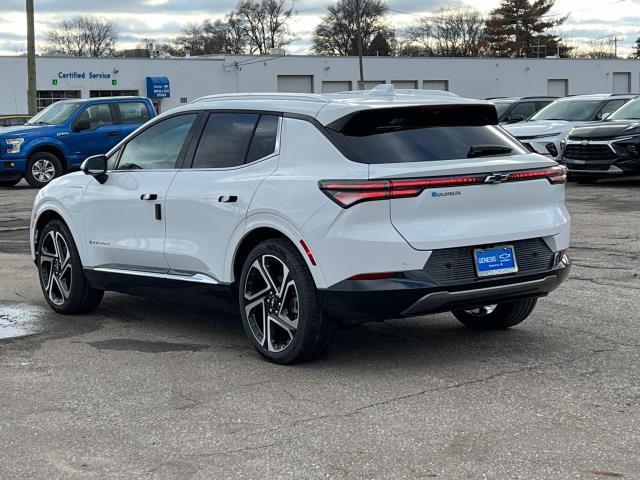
column 347, row 193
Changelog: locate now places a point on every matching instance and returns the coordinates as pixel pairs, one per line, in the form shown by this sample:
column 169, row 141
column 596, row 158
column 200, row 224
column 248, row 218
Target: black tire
column 51, row 165
column 313, row 331
column 68, row 272
column 9, row 183
column 504, row 315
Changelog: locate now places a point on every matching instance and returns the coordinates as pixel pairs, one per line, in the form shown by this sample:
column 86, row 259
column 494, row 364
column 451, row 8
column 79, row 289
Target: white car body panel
column 120, row 228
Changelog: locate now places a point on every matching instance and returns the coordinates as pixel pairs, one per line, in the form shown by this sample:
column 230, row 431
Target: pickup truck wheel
column 60, row 271
column 496, row 317
column 42, row 167
column 9, row 183
column 279, row 305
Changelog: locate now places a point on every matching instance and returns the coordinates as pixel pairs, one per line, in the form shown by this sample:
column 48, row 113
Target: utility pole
column 359, row 39
column 615, row 46
column 31, row 60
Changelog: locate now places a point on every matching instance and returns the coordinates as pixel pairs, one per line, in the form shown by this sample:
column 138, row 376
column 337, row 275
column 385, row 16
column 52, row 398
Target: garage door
column 295, row 83
column 436, row 85
column 369, row 84
column 557, row 87
column 621, row 82
column 405, row 84
column 334, row 86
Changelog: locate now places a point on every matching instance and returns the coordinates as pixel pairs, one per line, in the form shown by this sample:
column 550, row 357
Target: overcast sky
column 161, row 19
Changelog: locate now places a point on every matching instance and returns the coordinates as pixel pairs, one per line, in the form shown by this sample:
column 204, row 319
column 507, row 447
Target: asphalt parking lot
column 153, row 388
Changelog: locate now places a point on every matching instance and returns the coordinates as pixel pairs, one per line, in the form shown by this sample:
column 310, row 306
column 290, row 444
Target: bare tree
column 337, row 32
column 449, row 33
column 602, row 47
column 212, row 37
column 83, row 36
column 265, row 23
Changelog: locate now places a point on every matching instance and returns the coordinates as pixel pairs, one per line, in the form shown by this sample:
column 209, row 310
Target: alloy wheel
column 271, row 303
column 43, row 170
column 55, row 267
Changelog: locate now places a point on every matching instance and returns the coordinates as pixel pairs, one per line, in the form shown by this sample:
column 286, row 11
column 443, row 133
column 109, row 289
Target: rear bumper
column 359, row 301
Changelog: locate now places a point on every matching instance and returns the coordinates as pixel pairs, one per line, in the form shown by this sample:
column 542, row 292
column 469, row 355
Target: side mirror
column 81, row 125
column 515, row 119
column 96, row 166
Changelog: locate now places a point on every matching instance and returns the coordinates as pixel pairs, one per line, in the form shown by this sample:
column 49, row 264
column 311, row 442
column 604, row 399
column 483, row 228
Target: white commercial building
column 170, row 82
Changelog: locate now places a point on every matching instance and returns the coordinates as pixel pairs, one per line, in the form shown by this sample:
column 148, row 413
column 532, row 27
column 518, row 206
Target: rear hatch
column 455, row 178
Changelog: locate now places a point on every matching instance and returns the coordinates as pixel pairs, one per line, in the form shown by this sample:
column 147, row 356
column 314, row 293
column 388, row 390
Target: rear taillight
column 347, row 193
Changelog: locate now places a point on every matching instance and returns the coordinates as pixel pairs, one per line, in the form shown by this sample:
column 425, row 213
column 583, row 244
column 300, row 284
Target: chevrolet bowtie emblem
column 496, row 178
column 584, row 142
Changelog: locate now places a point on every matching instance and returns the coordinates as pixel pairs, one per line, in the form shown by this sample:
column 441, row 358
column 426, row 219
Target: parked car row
column 595, row 136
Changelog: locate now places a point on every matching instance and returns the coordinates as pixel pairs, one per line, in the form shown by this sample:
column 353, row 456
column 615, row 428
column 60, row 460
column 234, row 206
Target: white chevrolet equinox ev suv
column 314, row 212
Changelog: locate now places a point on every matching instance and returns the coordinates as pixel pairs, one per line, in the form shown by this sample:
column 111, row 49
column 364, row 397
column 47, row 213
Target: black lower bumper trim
column 380, row 303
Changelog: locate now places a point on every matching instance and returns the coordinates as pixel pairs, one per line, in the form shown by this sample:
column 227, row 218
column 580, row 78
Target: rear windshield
column 424, row 134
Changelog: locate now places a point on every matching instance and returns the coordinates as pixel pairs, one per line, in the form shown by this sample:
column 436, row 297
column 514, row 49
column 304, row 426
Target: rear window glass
column 425, row 134
column 133, row 112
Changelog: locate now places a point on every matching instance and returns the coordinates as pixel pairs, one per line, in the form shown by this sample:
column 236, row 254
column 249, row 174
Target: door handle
column 149, row 196
column 113, row 133
column 227, row 198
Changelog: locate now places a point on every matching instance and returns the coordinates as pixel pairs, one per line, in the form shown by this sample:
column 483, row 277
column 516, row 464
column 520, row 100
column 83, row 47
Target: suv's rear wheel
column 496, row 317
column 42, row 167
column 60, row 271
column 279, row 305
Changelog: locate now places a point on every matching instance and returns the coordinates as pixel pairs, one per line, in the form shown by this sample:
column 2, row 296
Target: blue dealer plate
column 495, row 261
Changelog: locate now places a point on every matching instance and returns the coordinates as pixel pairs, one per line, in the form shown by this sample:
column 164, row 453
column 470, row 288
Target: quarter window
column 158, row 146
column 133, row 112
column 264, row 138
column 225, row 140
column 97, row 115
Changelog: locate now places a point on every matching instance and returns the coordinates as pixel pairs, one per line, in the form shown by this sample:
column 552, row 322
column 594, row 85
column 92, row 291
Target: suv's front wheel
column 279, row 305
column 61, row 274
column 42, row 167
column 496, row 317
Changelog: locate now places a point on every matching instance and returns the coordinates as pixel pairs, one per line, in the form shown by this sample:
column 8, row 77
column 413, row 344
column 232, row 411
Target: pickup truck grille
column 452, row 266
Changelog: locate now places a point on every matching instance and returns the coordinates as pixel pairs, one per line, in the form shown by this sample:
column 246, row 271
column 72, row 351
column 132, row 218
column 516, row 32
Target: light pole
column 31, row 60
column 359, row 40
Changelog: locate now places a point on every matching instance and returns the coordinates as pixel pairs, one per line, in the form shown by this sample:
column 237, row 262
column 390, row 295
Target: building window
column 369, row 84
column 557, row 87
column 295, row 83
column 405, row 84
column 113, row 93
column 47, row 97
column 436, row 85
column 331, row 86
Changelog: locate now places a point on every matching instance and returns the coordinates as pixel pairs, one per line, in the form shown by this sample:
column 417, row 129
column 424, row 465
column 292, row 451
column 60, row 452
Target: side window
column 4, row 122
column 97, row 116
column 225, row 140
column 133, row 112
column 15, row 122
column 541, row 105
column 264, row 138
column 610, row 107
column 524, row 110
column 158, row 146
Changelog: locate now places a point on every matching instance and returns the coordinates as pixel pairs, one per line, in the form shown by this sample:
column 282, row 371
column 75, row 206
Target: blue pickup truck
column 61, row 136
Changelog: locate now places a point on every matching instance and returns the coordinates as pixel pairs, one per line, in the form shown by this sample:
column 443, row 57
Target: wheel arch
column 43, row 215
column 261, row 231
column 53, row 150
